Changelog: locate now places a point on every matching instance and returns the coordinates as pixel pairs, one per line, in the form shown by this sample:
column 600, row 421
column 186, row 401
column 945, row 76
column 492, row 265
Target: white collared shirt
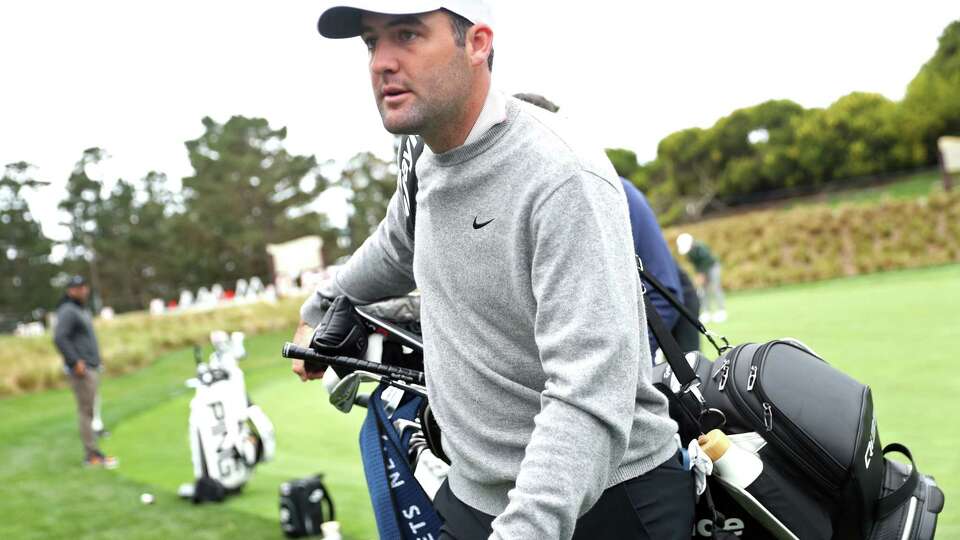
column 494, row 111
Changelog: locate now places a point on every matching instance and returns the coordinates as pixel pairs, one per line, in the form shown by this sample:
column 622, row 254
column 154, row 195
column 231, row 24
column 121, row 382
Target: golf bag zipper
column 771, row 436
column 791, row 432
column 723, row 372
column 767, row 416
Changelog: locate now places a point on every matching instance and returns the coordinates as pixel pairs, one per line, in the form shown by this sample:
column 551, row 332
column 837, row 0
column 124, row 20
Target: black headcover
column 341, row 332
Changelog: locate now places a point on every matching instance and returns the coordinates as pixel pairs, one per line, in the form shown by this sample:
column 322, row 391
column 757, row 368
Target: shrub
column 808, row 243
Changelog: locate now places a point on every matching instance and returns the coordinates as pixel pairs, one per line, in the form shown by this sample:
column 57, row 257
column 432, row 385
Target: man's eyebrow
column 401, row 20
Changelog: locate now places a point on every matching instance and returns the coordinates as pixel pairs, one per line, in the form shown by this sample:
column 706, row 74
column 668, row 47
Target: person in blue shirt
column 651, row 248
column 649, row 245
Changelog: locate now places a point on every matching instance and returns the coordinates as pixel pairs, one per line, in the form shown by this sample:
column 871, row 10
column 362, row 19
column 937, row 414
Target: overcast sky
column 136, row 77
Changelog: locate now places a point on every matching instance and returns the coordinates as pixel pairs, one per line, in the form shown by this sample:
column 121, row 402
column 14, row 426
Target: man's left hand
column 302, row 338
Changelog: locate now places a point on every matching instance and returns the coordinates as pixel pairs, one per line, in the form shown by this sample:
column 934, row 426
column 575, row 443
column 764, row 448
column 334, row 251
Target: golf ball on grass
column 146, row 498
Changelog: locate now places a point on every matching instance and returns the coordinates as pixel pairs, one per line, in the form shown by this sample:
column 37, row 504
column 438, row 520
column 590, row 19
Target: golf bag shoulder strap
column 684, row 312
column 411, row 146
column 669, row 346
column 401, row 507
column 672, row 299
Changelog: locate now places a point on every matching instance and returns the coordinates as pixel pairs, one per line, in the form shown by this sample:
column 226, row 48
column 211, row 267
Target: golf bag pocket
column 818, row 425
column 818, row 421
column 783, row 506
column 305, row 504
column 909, row 501
column 813, row 414
column 748, row 471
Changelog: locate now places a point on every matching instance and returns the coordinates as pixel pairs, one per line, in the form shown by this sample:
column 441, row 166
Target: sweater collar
column 484, row 140
column 494, row 112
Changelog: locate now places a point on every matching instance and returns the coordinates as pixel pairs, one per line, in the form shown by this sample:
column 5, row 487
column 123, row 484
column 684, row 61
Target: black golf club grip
column 291, row 350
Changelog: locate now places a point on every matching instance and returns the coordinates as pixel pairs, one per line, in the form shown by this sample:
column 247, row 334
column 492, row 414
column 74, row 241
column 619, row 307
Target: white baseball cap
column 343, row 20
column 684, row 243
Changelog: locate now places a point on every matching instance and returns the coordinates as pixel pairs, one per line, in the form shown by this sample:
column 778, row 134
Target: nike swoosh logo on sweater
column 481, row 225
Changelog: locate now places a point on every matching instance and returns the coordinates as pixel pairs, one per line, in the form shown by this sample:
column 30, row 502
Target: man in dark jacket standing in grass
column 75, row 339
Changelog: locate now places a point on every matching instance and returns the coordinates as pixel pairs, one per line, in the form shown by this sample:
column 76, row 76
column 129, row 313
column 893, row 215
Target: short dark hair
column 460, row 26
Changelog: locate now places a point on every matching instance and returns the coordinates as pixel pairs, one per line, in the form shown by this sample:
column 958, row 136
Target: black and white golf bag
column 810, row 436
column 229, row 435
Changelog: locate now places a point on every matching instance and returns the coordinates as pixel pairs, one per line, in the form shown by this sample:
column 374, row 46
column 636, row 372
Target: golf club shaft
column 412, row 376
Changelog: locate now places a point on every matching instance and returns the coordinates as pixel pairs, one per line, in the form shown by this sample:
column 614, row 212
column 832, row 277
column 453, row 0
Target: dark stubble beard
column 439, row 101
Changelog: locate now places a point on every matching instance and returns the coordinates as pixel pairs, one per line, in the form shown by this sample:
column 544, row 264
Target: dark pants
column 658, row 505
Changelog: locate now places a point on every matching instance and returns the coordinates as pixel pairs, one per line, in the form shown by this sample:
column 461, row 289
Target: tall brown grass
column 133, row 340
column 810, row 243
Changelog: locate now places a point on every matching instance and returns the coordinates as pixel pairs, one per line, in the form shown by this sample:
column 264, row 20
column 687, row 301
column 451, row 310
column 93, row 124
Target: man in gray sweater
column 77, row 343
column 535, row 340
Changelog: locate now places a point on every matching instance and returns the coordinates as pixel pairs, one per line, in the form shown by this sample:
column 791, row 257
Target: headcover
column 341, row 332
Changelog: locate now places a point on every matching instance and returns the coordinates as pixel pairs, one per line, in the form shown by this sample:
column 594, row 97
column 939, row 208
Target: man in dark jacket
column 74, row 337
column 708, row 277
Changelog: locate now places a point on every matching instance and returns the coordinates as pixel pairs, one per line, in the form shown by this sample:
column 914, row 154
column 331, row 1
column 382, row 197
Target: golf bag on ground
column 305, row 505
column 229, row 435
column 824, row 472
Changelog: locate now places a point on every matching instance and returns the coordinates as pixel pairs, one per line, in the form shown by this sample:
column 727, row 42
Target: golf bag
column 305, row 504
column 823, row 474
column 399, row 442
column 229, row 435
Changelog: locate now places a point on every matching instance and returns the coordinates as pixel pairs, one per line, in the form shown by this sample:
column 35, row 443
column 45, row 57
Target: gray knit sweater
column 535, row 338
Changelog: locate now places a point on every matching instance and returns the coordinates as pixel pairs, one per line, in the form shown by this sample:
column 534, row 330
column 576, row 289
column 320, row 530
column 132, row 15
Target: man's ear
column 479, row 44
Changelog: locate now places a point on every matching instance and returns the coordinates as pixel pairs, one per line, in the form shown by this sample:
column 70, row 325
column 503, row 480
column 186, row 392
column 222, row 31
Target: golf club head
column 344, row 394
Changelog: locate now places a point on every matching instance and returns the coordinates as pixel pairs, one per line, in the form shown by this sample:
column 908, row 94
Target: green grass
column 912, row 186
column 894, row 331
column 44, row 493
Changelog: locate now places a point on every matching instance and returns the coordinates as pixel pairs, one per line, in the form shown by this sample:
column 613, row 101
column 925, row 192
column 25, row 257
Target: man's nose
column 383, row 59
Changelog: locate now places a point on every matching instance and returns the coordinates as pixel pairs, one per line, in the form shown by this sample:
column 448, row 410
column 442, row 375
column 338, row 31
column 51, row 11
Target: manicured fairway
column 895, row 331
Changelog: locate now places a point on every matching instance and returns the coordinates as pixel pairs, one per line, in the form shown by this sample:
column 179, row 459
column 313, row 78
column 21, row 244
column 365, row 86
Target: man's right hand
column 302, row 338
column 80, row 368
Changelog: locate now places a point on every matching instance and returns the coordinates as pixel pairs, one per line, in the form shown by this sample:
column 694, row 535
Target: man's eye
column 406, row 35
column 371, row 43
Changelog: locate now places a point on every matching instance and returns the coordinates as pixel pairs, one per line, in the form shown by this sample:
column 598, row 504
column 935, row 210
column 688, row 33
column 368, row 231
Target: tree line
column 779, row 145
column 139, row 240
column 143, row 239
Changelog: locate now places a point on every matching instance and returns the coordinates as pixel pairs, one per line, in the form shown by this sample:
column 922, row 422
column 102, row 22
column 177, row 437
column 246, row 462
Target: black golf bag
column 305, row 505
column 825, row 474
